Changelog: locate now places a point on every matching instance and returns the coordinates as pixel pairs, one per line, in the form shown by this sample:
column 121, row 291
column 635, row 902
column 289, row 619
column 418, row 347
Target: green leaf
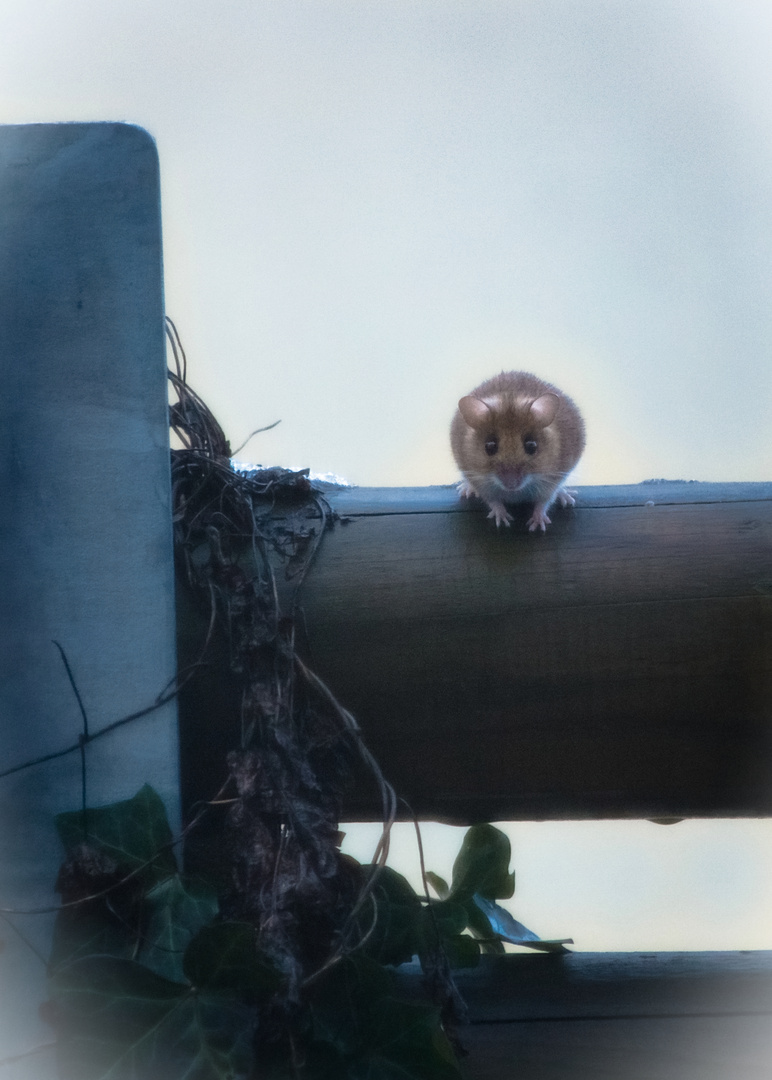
column 394, row 886
column 89, row 928
column 439, row 884
column 154, row 927
column 116, row 1020
column 441, row 925
column 507, row 928
column 404, row 1041
column 398, row 930
column 551, row 945
column 135, row 833
column 444, row 916
column 482, row 865
column 175, row 910
column 224, row 958
column 321, row 1061
column 406, row 927
column 480, row 926
column 342, row 997
column 370, row 1034
column 462, row 951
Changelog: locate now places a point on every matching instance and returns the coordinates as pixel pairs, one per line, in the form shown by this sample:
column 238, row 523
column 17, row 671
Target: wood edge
column 372, row 501
column 592, row 985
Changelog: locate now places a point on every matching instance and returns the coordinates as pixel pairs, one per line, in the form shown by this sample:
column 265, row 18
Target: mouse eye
column 530, row 446
column 491, row 445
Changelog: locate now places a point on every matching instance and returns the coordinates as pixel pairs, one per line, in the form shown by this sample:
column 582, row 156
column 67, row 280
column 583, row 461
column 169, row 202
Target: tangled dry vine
column 244, row 542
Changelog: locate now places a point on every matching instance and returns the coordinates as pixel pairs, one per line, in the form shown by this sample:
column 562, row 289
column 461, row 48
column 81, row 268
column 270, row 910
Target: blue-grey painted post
column 85, row 526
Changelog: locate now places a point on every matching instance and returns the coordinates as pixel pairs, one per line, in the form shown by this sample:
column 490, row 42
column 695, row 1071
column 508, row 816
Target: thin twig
column 28, row 1054
column 83, row 740
column 157, row 704
column 257, row 431
column 4, row 915
column 168, row 846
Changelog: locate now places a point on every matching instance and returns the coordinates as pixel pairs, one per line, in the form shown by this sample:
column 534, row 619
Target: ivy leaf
column 395, row 887
column 503, row 924
column 175, row 910
column 404, row 1041
column 481, row 928
column 134, row 833
column 224, row 958
column 406, row 927
column 116, row 1020
column 446, row 917
column 88, row 928
column 442, row 924
column 482, row 865
column 439, row 884
column 398, row 932
column 343, row 998
column 372, row 1035
column 507, row 928
column 321, row 1061
column 462, row 951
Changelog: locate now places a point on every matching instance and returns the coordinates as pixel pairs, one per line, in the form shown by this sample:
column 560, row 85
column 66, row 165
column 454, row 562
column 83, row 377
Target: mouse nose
column 511, row 476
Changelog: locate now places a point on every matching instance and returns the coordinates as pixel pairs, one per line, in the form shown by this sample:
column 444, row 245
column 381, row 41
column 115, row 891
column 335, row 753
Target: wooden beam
column 610, row 985
column 651, row 1016
column 85, row 539
column 618, row 666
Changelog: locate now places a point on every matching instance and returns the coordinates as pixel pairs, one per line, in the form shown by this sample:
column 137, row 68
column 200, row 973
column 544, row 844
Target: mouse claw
column 567, row 496
column 539, row 520
column 465, row 489
column 499, row 514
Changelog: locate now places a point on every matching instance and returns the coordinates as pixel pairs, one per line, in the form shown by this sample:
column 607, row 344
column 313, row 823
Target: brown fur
column 511, row 474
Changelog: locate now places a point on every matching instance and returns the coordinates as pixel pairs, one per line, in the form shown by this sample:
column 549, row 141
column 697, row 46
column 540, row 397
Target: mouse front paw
column 538, row 520
column 567, row 496
column 465, row 489
column 499, row 514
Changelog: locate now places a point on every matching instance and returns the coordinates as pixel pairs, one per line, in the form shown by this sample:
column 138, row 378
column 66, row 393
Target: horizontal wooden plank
column 671, row 1048
column 416, row 500
column 620, row 665
column 615, row 1016
column 604, row 985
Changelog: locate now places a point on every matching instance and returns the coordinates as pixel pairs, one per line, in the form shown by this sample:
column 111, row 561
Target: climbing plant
column 263, row 952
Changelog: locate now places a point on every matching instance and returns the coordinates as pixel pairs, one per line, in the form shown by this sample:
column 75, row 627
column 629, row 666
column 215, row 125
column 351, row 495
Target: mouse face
column 505, row 439
column 515, row 438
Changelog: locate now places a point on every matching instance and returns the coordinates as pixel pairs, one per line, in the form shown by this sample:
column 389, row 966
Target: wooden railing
column 618, row 666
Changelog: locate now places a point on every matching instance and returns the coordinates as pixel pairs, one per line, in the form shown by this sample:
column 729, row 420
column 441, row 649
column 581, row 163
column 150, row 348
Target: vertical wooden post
column 85, row 538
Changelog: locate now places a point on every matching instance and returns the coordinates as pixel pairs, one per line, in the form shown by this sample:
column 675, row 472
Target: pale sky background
column 369, row 207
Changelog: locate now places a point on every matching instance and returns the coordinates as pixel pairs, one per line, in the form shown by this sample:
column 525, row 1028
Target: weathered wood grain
column 85, row 537
column 620, row 665
column 610, row 985
column 356, row 500
column 670, row 1048
column 616, row 1016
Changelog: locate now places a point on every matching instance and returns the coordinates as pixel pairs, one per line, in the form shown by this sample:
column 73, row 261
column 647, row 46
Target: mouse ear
column 476, row 413
column 544, row 410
